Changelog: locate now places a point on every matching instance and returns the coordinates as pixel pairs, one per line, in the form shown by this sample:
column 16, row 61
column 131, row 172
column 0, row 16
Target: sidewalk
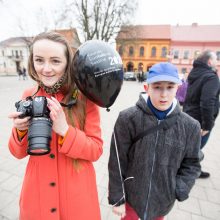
column 204, row 201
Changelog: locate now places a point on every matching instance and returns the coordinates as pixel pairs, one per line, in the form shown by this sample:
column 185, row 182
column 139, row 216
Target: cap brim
column 162, row 78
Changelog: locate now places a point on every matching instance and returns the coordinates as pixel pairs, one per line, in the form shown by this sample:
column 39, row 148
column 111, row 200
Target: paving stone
column 5, row 199
column 11, row 183
column 190, row 205
column 198, row 192
column 210, row 210
column 197, row 217
column 179, row 215
column 11, row 211
column 4, row 175
column 213, row 195
column 216, row 183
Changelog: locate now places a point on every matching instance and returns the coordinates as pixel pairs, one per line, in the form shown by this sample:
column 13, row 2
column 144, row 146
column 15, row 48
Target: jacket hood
column 199, row 68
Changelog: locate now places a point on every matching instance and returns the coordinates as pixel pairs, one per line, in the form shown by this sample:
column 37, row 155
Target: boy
column 154, row 155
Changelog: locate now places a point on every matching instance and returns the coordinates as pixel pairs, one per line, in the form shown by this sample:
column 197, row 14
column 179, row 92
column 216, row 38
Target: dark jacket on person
column 202, row 98
column 157, row 169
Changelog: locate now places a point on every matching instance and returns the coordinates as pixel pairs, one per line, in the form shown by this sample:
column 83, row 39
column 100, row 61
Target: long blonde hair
column 69, row 86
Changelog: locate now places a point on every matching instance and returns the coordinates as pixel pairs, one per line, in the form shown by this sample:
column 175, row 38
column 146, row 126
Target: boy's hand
column 119, row 210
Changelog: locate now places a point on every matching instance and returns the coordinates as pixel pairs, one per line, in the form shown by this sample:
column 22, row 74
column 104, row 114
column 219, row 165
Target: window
column 131, row 51
column 164, row 52
column 186, row 55
column 196, row 54
column 120, row 50
column 176, row 54
column 218, row 55
column 153, row 52
column 12, row 52
column 141, row 51
column 21, row 53
column 3, row 54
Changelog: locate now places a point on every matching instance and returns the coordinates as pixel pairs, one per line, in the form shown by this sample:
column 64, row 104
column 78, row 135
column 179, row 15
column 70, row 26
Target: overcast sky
column 182, row 12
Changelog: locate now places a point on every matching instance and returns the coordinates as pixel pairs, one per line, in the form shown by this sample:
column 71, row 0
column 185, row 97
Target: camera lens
column 39, row 136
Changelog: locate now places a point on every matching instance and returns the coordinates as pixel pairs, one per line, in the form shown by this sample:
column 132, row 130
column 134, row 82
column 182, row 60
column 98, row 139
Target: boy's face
column 162, row 94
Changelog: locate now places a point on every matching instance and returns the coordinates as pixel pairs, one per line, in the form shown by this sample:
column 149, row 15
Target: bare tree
column 102, row 19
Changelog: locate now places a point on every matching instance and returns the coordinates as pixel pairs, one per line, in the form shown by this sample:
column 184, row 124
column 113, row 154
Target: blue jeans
column 204, row 140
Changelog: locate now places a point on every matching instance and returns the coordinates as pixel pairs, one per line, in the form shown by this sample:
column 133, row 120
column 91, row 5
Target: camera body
column 40, row 128
column 36, row 107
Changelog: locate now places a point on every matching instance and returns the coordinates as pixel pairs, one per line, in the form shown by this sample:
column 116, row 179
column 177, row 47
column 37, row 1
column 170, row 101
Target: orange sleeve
column 61, row 139
column 21, row 134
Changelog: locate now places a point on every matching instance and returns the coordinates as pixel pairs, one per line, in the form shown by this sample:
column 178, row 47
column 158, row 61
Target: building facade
column 187, row 42
column 14, row 52
column 142, row 46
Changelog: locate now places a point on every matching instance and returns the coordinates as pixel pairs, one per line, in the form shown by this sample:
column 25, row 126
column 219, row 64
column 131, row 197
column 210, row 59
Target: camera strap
column 72, row 101
column 68, row 105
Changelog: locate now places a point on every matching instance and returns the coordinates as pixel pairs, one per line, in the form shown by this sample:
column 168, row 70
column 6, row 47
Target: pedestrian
column 202, row 98
column 19, row 73
column 182, row 89
column 62, row 184
column 154, row 154
column 24, row 73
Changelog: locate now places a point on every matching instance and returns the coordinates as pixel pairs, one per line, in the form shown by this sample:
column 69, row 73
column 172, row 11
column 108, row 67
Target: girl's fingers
column 14, row 115
column 56, row 101
column 54, row 104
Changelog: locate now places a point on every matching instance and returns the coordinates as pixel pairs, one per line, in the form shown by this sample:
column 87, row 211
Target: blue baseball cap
column 163, row 72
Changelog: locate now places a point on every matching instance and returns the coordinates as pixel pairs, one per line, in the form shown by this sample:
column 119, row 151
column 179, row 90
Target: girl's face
column 49, row 61
column 162, row 94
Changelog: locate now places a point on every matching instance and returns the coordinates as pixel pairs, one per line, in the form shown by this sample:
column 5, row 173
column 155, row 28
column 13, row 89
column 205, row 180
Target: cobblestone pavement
column 204, row 201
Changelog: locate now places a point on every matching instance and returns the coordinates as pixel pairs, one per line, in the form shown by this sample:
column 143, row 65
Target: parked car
column 129, row 76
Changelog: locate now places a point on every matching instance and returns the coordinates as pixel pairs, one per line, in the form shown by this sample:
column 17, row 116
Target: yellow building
column 142, row 46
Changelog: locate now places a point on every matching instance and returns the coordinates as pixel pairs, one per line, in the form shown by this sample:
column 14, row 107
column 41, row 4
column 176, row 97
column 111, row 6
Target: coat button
column 52, row 156
column 52, row 184
column 53, row 210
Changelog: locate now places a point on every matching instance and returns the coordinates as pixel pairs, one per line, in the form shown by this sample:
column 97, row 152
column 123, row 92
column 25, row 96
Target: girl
column 60, row 185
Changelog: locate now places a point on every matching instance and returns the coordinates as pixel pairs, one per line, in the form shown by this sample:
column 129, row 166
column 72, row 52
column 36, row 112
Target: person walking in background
column 62, row 184
column 154, row 153
column 202, row 98
column 24, row 73
column 20, row 73
column 182, row 89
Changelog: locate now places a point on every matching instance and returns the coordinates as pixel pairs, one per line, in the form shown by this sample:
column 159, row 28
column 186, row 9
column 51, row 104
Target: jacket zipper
column 151, row 174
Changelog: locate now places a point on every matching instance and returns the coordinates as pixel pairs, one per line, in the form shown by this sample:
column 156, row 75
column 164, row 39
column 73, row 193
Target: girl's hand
column 58, row 117
column 119, row 210
column 21, row 124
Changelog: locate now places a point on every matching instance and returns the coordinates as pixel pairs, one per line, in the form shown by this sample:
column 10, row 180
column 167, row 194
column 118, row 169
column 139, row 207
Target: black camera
column 40, row 129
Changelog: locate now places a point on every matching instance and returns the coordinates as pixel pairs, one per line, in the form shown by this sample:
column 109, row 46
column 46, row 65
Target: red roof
column 71, row 35
column 196, row 33
column 144, row 32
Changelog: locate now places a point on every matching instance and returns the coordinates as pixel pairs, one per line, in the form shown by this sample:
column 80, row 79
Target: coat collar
column 59, row 96
column 142, row 104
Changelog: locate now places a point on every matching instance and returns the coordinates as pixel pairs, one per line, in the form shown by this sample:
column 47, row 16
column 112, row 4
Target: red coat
column 52, row 188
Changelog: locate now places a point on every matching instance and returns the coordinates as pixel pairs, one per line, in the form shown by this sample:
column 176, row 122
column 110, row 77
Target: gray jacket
column 158, row 168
